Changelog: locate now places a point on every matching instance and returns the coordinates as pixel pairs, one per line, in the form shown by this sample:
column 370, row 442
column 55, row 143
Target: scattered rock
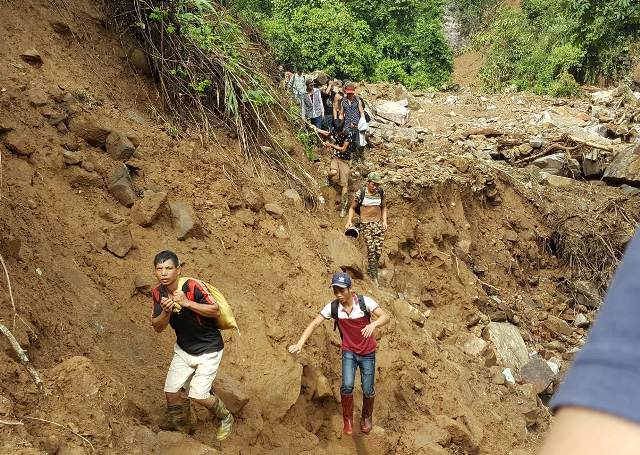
column 118, row 146
column 274, row 210
column 185, row 222
column 537, row 373
column 119, row 240
column 145, row 211
column 587, row 294
column 508, row 344
column 581, row 321
column 61, row 28
column 471, row 344
column 486, row 132
column 281, row 233
column 556, row 180
column 459, row 433
column 246, row 216
column 32, row 57
column 558, row 164
column 429, row 434
column 253, row 199
column 80, row 177
column 97, row 239
column 88, row 166
column 120, row 186
column 316, row 382
column 89, row 129
column 71, row 158
column 144, row 284
column 233, row 393
column 557, row 325
column 344, row 254
column 510, row 236
column 138, row 58
column 37, row 97
column 625, row 167
column 629, row 190
column 293, row 196
column 18, row 143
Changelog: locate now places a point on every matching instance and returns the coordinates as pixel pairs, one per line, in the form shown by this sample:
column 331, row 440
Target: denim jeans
column 316, row 121
column 367, row 365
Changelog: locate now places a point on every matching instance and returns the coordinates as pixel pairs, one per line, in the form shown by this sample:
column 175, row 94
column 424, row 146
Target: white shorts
column 196, row 372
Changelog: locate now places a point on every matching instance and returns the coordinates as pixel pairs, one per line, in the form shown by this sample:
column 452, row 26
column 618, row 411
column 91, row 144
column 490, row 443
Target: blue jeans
column 367, row 364
column 327, row 123
column 316, row 121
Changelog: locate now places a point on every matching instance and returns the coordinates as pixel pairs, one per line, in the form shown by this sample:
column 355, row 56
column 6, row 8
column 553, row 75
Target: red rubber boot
column 347, row 413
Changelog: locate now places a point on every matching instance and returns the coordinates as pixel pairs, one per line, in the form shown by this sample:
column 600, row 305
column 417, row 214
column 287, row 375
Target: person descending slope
column 351, row 314
column 370, row 203
column 193, row 313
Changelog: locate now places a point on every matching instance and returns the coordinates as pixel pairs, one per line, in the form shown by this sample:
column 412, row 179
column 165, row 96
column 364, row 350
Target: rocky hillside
column 481, row 271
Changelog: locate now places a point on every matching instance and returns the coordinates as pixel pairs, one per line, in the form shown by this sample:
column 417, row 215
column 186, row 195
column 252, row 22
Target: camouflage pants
column 373, row 235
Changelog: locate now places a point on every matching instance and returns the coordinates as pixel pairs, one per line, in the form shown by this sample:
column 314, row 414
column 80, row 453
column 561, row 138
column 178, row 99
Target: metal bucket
column 352, row 232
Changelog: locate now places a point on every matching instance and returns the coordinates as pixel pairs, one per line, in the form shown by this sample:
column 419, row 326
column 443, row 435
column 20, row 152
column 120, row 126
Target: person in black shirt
column 191, row 312
column 339, row 169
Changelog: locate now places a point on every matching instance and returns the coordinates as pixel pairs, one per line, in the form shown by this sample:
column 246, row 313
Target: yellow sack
column 226, row 320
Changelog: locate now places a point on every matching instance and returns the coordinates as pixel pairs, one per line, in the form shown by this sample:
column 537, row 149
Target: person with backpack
column 351, row 110
column 351, row 314
column 369, row 202
column 189, row 307
column 339, row 169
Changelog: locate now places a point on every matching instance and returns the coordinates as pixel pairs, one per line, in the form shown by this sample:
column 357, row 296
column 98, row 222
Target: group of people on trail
column 193, row 313
column 337, row 115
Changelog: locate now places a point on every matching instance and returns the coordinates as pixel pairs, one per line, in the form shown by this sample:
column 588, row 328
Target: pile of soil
column 83, row 138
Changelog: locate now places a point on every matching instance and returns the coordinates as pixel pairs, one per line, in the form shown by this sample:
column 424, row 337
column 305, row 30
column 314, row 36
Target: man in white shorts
column 191, row 312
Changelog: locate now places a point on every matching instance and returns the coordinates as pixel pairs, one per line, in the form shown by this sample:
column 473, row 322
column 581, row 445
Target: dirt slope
column 86, row 327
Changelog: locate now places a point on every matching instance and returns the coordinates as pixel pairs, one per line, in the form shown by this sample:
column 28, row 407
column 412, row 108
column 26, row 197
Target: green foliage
column 472, row 15
column 381, row 40
column 550, row 46
column 307, row 140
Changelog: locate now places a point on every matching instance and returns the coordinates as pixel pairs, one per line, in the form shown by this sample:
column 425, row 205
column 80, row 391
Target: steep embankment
column 79, row 261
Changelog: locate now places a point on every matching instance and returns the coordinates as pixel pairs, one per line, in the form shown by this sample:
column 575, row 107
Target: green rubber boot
column 177, row 418
column 220, row 412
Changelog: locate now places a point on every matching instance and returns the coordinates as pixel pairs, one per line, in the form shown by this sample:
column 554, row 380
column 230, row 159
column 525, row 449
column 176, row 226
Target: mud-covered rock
column 283, row 390
column 89, row 128
column 120, row 186
column 19, row 143
column 145, row 211
column 119, row 240
column 557, row 325
column 184, row 220
column 232, row 393
column 274, row 210
column 344, row 254
column 118, row 146
column 32, row 57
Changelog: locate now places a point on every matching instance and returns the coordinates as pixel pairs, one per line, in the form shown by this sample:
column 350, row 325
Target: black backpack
column 334, row 312
column 361, row 195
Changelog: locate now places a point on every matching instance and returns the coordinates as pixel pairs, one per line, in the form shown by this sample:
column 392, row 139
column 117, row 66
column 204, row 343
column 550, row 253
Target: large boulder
column 393, row 111
column 232, row 393
column 344, row 254
column 509, row 347
column 283, row 390
column 184, row 220
column 145, row 211
column 625, row 167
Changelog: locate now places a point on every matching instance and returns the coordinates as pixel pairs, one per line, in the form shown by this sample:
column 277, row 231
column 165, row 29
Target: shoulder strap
column 361, row 195
column 182, row 281
column 334, row 316
column 381, row 191
column 363, row 306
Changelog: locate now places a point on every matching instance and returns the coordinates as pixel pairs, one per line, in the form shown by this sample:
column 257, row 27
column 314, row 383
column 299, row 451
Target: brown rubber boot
column 366, row 422
column 347, row 413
